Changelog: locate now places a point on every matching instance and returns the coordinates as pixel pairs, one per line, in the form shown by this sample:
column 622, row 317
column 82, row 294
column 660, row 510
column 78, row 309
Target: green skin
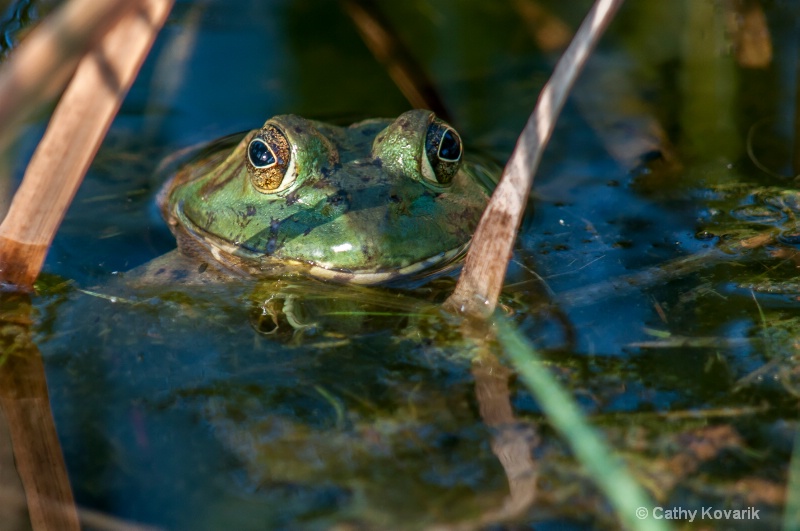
column 359, row 210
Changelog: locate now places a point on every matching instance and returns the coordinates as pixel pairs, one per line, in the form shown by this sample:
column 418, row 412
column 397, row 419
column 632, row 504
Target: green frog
column 364, row 204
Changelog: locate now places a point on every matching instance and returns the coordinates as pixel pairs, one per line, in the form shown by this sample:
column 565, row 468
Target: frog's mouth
column 445, row 260
column 246, row 262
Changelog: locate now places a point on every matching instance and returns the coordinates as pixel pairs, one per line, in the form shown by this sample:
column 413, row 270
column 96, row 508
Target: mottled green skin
column 360, row 209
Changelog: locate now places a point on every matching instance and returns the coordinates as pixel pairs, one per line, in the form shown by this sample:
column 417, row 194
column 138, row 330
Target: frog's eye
column 443, row 150
column 269, row 161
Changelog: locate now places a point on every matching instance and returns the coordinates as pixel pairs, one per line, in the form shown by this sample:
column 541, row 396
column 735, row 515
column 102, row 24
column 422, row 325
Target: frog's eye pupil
column 260, row 154
column 443, row 148
column 450, row 146
column 269, row 160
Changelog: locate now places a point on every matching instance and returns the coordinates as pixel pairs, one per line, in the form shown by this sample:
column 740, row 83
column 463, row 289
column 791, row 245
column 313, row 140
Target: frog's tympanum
column 365, row 204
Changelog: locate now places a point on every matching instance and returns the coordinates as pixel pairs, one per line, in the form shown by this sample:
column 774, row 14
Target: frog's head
column 364, row 204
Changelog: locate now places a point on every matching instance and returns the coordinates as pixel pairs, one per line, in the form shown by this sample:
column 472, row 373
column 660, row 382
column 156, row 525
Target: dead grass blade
column 747, row 24
column 42, row 64
column 28, row 422
column 94, row 520
column 484, row 270
column 613, row 104
column 73, row 136
column 550, row 33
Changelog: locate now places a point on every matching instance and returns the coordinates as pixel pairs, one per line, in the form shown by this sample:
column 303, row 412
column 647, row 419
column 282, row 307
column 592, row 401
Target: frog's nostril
column 340, row 198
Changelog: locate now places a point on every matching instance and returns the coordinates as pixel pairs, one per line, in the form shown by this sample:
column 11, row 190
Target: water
column 177, row 408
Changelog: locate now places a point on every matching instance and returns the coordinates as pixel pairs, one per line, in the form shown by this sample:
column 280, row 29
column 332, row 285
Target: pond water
column 183, row 408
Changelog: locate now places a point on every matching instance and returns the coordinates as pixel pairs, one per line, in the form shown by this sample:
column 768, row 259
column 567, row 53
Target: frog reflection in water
column 363, row 204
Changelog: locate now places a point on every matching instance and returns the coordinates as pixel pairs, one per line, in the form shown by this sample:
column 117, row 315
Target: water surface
column 175, row 409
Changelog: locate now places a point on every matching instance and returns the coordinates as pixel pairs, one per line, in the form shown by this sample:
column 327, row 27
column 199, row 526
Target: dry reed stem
column 549, row 32
column 747, row 24
column 42, row 64
column 513, row 442
column 478, row 289
column 37, row 452
column 612, row 105
column 94, row 520
column 13, row 505
column 25, row 411
column 73, row 136
column 393, row 54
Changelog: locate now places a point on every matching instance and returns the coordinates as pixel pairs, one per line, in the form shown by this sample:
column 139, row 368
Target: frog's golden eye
column 269, row 160
column 443, row 150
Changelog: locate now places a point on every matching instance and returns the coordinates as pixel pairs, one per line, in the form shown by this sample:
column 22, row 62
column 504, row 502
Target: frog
column 366, row 204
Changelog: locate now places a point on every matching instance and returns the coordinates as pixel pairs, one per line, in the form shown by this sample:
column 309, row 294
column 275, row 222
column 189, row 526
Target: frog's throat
column 252, row 262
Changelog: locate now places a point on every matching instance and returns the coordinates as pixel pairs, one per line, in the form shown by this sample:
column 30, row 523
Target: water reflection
column 173, row 410
column 513, row 442
column 28, row 422
column 357, row 407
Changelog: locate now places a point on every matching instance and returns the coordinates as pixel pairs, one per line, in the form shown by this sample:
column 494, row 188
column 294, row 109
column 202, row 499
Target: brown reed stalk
column 40, row 67
column 76, row 128
column 479, row 286
column 390, row 50
column 25, row 407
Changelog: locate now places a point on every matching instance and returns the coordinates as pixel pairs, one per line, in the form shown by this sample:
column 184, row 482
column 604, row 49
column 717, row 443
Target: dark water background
column 176, row 412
